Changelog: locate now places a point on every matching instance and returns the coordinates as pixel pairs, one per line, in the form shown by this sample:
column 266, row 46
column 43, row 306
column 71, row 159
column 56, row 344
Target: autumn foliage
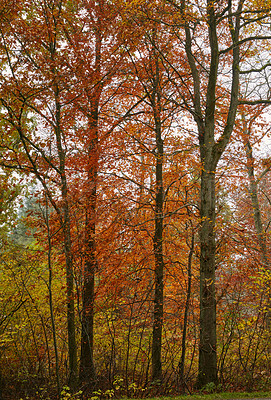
column 135, row 197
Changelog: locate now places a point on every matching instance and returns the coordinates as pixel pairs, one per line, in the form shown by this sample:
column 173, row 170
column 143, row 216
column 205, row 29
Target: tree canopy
column 135, row 140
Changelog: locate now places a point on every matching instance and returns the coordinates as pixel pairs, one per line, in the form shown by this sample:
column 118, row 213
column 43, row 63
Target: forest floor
column 221, row 396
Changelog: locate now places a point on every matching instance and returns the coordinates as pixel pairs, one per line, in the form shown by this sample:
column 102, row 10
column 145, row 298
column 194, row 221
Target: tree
column 213, row 104
column 118, row 110
column 99, row 84
column 42, row 155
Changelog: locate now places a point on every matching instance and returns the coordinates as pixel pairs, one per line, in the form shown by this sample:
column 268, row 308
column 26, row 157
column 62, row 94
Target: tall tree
column 224, row 32
column 37, row 33
column 95, row 42
column 158, row 110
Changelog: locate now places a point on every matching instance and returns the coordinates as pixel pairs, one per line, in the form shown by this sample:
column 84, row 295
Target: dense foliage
column 135, row 197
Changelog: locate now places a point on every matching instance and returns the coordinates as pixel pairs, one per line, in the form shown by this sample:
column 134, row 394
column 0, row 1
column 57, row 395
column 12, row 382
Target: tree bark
column 186, row 309
column 159, row 266
column 210, row 153
column 207, row 349
column 50, row 282
column 159, row 217
column 72, row 346
column 87, row 369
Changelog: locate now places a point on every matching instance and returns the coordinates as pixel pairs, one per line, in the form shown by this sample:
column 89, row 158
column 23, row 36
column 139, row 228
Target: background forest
column 135, row 196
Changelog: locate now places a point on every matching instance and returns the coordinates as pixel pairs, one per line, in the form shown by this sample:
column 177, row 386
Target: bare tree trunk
column 87, row 369
column 159, row 266
column 72, row 347
column 158, row 235
column 50, row 279
column 207, row 350
column 186, row 309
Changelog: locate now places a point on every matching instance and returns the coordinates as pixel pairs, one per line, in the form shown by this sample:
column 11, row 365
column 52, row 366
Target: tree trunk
column 50, row 282
column 207, row 349
column 211, row 151
column 159, row 267
column 87, row 369
column 186, row 309
column 159, row 216
column 72, row 346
